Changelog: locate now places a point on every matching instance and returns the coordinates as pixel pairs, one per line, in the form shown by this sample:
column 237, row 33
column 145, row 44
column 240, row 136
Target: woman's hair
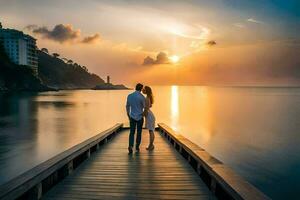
column 149, row 93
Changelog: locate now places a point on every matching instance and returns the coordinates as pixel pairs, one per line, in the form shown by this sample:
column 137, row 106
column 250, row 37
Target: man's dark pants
column 135, row 125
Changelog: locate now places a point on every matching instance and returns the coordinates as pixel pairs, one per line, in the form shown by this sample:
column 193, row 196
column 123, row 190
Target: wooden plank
column 111, row 174
column 129, row 196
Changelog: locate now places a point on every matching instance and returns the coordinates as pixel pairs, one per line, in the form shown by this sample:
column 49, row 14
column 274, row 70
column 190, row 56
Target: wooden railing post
column 180, row 149
column 39, row 188
column 88, row 153
column 213, row 185
column 70, row 167
column 198, row 168
column 55, row 177
column 161, row 131
column 36, row 192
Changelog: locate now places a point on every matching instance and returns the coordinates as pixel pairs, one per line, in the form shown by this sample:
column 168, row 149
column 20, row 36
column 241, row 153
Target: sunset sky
column 198, row 42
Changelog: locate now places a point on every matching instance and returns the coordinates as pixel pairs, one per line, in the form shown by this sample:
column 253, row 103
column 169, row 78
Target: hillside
column 55, row 73
column 17, row 78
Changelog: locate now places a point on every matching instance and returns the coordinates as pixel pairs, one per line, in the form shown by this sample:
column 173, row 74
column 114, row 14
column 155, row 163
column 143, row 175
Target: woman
column 150, row 118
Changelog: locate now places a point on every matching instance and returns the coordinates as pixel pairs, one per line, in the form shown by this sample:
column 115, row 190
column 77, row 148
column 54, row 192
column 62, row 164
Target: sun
column 174, row 59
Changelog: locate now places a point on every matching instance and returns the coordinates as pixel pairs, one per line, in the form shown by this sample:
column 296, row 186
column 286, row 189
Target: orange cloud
column 161, row 58
column 211, row 43
column 62, row 33
column 91, row 39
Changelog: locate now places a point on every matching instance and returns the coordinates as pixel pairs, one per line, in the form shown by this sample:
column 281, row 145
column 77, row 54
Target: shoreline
column 2, row 90
column 56, row 90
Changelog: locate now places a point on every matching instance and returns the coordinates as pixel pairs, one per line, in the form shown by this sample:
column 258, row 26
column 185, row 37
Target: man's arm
column 128, row 108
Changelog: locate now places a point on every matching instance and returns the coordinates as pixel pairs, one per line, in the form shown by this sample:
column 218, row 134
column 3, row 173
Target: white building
column 20, row 48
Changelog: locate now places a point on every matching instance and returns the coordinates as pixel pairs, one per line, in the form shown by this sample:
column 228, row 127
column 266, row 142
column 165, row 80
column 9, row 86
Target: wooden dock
column 100, row 168
column 113, row 174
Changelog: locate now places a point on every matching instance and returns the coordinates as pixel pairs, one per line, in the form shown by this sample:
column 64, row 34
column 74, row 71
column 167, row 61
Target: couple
column 137, row 108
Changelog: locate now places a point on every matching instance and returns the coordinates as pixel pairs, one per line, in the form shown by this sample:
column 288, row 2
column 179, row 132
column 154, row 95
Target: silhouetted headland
column 109, row 86
column 23, row 67
column 53, row 74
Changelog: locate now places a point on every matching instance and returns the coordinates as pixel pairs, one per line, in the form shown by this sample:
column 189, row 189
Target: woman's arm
column 147, row 106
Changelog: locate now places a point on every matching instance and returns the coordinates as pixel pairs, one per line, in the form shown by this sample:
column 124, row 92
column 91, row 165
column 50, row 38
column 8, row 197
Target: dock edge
column 223, row 182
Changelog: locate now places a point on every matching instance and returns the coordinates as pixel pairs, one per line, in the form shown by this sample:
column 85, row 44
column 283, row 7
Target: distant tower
column 108, row 80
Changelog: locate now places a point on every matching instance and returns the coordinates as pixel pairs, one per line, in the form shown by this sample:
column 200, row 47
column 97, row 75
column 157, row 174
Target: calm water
column 256, row 131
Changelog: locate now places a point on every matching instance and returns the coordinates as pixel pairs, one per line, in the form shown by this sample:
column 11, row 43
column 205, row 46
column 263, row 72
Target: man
column 135, row 107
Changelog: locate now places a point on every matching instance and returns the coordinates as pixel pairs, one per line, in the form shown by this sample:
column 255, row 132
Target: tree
column 55, row 55
column 45, row 50
column 85, row 68
column 70, row 62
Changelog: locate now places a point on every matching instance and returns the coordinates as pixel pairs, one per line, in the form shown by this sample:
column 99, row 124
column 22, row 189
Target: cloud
column 211, row 43
column 91, row 39
column 190, row 32
column 149, row 61
column 161, row 58
column 62, row 33
column 255, row 21
column 239, row 25
column 31, row 27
